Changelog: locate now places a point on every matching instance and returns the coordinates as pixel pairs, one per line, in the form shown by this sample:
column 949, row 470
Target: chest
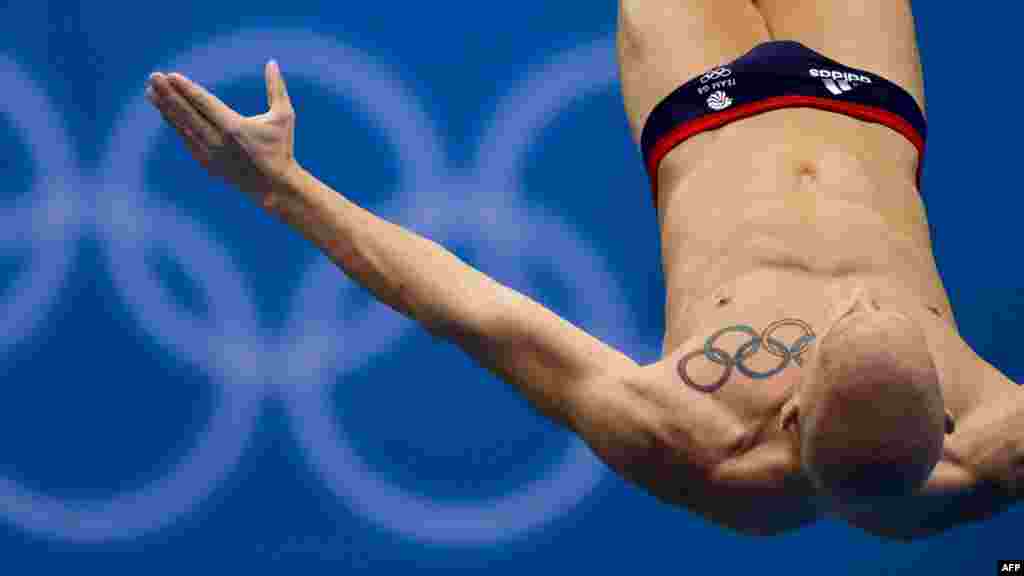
column 750, row 358
column 752, row 341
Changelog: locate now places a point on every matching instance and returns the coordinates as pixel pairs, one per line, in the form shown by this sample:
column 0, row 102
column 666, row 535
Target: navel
column 803, row 199
column 807, row 171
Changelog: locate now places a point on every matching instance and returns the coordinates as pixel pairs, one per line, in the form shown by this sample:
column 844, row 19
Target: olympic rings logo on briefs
column 716, row 74
column 242, row 357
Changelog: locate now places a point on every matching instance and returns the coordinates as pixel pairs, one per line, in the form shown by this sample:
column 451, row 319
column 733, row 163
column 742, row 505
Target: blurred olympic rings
column 242, row 357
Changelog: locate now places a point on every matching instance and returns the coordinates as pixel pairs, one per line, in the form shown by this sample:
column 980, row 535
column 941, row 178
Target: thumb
column 277, row 93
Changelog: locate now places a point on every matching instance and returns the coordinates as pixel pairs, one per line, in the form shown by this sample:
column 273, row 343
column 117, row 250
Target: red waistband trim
column 684, row 131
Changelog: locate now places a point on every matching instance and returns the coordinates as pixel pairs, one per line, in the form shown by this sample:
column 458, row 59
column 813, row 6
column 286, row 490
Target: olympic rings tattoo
column 771, row 345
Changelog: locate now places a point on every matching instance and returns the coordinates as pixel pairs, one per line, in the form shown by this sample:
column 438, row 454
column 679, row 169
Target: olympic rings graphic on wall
column 716, row 74
column 247, row 362
column 772, row 345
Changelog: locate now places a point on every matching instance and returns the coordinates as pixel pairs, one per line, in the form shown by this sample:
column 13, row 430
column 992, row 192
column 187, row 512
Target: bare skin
column 792, row 188
column 768, row 253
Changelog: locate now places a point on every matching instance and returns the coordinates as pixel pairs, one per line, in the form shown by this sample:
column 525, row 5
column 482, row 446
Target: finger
column 162, row 105
column 217, row 112
column 183, row 114
column 200, row 152
column 277, row 92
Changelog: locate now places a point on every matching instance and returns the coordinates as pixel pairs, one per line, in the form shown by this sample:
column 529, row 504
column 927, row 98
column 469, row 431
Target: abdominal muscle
column 811, row 192
column 782, row 216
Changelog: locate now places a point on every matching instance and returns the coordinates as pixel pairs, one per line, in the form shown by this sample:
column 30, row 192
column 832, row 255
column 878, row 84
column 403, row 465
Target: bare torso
column 806, row 206
column 775, row 217
column 800, row 221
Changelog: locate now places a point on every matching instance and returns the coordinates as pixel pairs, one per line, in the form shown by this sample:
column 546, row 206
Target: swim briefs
column 773, row 75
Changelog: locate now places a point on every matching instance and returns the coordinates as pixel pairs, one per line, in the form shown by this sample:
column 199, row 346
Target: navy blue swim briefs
column 774, row 75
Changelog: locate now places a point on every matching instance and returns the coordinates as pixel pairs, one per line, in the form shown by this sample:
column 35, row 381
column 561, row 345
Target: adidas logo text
column 839, row 82
column 836, row 75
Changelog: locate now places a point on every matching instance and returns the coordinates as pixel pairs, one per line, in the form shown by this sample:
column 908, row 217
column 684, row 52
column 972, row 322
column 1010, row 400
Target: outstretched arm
column 654, row 432
column 546, row 357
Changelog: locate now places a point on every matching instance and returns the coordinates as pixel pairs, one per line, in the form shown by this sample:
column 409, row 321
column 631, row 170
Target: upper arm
column 988, row 443
column 686, row 449
column 544, row 356
column 664, row 437
column 646, row 432
column 637, row 419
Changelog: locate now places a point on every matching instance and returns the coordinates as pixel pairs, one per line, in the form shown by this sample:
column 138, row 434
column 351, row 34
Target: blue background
column 96, row 406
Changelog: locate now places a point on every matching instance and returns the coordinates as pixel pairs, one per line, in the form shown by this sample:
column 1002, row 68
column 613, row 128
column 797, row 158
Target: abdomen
column 799, row 188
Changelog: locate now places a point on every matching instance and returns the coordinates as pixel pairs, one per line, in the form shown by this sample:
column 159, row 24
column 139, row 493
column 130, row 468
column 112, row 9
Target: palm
column 250, row 158
column 252, row 153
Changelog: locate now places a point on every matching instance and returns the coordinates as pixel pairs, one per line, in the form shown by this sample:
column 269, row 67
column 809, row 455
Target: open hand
column 254, row 153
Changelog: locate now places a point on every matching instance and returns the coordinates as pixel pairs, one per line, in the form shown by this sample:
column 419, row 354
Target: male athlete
column 811, row 361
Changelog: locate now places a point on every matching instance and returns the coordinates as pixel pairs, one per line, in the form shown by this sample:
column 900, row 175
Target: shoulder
column 658, row 434
column 757, row 493
column 754, row 484
column 688, row 449
column 762, row 491
column 694, row 425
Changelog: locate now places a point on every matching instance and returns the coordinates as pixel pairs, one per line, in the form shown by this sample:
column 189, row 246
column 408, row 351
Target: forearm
column 413, row 275
column 546, row 358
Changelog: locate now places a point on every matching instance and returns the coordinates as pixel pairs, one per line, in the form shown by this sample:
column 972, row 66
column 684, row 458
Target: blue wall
column 188, row 384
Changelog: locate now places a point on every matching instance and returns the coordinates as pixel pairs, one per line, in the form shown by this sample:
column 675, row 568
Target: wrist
column 289, row 191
